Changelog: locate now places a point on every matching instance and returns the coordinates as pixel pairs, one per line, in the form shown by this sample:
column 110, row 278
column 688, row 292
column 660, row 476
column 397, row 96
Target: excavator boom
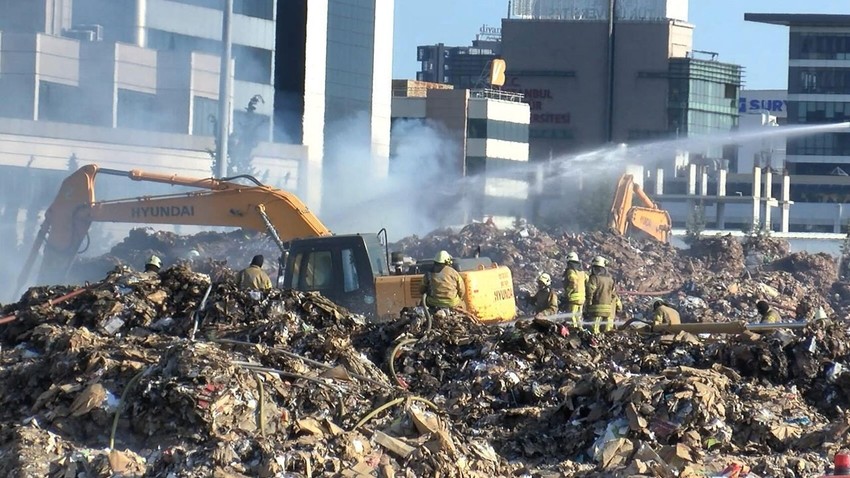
column 215, row 203
column 648, row 218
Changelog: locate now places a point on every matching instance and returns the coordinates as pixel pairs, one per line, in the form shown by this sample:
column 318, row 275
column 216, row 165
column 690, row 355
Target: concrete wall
column 448, row 107
column 641, row 88
column 569, row 99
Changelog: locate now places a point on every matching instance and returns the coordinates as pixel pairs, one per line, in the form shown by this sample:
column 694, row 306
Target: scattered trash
column 286, row 383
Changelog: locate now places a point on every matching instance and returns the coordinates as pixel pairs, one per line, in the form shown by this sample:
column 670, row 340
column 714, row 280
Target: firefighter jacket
column 664, row 315
column 601, row 296
column 575, row 282
column 546, row 301
column 445, row 287
column 254, row 278
column 771, row 317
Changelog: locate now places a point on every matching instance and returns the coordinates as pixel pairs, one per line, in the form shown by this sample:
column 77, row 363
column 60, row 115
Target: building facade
column 464, row 67
column 77, row 92
column 586, row 89
column 333, row 86
column 760, row 110
column 487, row 132
column 818, row 89
column 163, row 25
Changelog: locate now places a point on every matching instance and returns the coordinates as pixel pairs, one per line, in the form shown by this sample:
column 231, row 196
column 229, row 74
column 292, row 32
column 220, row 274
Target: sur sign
column 760, row 105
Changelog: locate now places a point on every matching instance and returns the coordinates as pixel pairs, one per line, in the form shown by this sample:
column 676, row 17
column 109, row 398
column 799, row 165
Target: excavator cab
column 342, row 268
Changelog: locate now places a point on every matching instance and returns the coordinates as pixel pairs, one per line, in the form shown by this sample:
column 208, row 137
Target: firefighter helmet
column 443, row 257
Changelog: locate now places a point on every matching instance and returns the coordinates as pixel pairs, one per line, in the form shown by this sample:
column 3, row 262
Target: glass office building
column 703, row 96
column 818, row 89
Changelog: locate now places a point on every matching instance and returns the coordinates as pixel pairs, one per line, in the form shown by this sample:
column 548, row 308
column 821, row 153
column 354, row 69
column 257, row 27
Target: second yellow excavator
column 352, row 270
column 647, row 219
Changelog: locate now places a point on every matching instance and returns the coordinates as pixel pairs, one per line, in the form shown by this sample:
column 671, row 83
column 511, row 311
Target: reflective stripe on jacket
column 575, row 282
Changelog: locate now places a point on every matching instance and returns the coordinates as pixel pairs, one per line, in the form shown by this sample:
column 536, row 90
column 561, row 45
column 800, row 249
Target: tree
column 73, row 164
column 695, row 223
column 242, row 141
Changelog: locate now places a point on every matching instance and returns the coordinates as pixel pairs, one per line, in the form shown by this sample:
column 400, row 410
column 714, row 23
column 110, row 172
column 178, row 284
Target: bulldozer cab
column 342, row 268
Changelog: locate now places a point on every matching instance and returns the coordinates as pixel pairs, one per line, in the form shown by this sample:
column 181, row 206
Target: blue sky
column 720, row 27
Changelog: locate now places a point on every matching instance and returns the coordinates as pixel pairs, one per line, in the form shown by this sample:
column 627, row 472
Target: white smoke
column 419, row 193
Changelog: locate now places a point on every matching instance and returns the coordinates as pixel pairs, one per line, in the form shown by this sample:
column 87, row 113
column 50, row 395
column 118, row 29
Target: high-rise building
column 818, row 89
column 459, row 66
column 590, row 81
column 486, row 143
column 332, row 85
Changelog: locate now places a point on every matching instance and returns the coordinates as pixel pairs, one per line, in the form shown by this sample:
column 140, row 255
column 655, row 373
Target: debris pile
column 182, row 374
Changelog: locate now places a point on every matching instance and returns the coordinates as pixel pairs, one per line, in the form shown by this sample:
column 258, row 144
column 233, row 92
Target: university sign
column 541, row 103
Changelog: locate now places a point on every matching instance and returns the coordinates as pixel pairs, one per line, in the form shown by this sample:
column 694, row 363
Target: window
column 253, row 64
column 204, row 109
column 829, row 144
column 58, row 102
column 819, row 80
column 255, row 8
column 318, row 272
column 136, row 110
column 296, row 271
column 492, row 129
column 820, row 46
column 805, row 112
column 475, row 165
column 351, row 282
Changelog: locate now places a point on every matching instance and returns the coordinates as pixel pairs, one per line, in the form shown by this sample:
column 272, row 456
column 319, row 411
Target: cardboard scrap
column 89, row 399
column 394, row 445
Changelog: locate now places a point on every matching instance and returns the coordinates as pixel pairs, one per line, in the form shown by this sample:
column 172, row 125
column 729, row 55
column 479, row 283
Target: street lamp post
column 224, row 88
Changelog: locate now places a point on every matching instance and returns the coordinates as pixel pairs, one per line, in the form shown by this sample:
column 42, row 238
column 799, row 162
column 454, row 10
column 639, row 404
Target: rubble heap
column 288, row 383
column 109, row 381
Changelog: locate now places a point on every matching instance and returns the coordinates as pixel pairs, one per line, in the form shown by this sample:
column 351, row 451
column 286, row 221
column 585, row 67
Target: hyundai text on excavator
column 627, row 219
column 352, row 270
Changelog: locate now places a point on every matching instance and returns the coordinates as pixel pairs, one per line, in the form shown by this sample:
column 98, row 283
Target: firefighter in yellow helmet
column 602, row 299
column 575, row 282
column 444, row 285
column 154, row 264
column 664, row 314
column 546, row 300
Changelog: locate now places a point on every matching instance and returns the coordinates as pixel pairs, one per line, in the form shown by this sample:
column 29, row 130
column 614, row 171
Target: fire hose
column 13, row 317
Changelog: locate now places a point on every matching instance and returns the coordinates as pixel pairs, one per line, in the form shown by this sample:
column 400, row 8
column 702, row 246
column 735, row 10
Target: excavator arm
column 215, row 203
column 647, row 218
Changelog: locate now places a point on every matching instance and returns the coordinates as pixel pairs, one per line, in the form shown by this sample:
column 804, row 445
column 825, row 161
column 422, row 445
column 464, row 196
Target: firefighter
column 546, row 300
column 154, row 264
column 601, row 297
column 575, row 281
column 768, row 314
column 254, row 277
column 664, row 314
column 444, row 285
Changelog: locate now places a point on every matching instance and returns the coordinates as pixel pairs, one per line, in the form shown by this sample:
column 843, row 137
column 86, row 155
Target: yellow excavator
column 628, row 219
column 352, row 270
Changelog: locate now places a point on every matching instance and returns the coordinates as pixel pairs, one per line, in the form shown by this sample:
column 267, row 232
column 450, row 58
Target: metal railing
column 497, row 95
